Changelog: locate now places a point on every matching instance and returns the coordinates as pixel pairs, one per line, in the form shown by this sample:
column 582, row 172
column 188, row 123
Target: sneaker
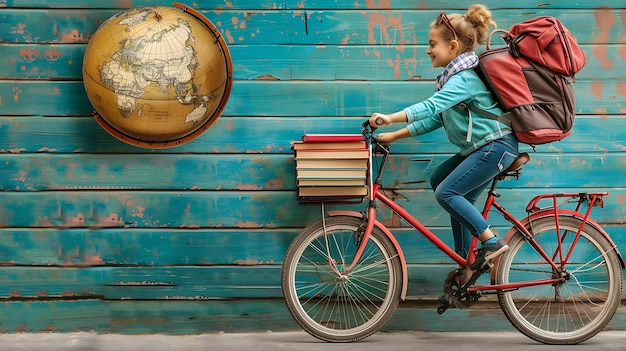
column 488, row 253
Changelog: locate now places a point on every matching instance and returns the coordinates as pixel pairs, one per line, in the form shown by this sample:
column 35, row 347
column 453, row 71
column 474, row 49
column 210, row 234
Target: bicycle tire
column 574, row 310
column 342, row 308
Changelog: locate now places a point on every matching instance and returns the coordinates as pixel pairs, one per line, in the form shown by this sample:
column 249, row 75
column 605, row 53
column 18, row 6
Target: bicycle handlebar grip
column 379, row 121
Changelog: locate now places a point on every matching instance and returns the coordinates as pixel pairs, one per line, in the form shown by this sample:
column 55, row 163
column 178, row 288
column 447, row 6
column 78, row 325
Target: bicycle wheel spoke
column 590, row 293
column 327, row 300
column 595, row 262
column 367, row 295
column 341, row 250
column 373, row 264
column 360, row 306
column 584, row 299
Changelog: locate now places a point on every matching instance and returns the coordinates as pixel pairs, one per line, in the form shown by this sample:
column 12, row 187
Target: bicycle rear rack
column 593, row 199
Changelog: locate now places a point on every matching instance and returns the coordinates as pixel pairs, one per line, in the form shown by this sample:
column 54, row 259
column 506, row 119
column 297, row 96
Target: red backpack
column 531, row 79
column 546, row 41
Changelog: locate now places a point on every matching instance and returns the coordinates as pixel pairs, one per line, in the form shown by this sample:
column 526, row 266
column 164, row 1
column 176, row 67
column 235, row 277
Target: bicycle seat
column 521, row 160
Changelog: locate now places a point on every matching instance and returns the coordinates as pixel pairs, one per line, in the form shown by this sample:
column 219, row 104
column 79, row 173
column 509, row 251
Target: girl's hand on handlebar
column 379, row 119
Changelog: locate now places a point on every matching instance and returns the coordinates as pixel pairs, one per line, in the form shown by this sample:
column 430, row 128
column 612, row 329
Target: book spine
column 331, row 138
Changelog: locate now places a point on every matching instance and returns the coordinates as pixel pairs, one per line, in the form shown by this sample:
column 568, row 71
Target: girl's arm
column 395, row 117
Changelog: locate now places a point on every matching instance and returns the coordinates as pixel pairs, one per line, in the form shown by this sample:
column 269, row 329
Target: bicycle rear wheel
column 335, row 305
column 575, row 309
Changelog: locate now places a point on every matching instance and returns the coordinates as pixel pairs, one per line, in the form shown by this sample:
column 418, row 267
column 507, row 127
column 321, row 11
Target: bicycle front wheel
column 327, row 301
column 579, row 306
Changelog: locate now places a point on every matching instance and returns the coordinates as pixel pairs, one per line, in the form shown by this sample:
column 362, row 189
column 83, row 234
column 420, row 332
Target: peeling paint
column 141, row 283
column 605, row 20
column 229, row 37
column 621, row 199
column 267, row 77
column 247, row 262
column 620, row 88
column 275, row 184
column 16, row 94
column 596, row 90
column 197, row 297
column 248, row 187
column 378, row 4
column 247, row 224
column 384, row 24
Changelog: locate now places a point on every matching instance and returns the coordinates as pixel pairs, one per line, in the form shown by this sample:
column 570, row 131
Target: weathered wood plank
column 202, row 317
column 186, row 282
column 228, row 135
column 143, row 247
column 187, row 209
column 184, row 172
column 42, row 61
column 411, row 27
column 62, row 26
column 55, row 316
column 290, row 62
column 198, row 317
column 179, row 283
column 212, row 317
column 325, row 98
column 307, row 4
column 312, row 27
column 362, row 98
column 78, row 25
column 198, row 4
column 233, row 209
column 55, row 97
column 256, row 172
column 449, row 5
column 141, row 283
column 142, row 317
column 267, row 135
column 82, row 247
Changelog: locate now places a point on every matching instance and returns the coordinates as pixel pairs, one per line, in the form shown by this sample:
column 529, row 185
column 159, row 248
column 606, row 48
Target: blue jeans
column 459, row 181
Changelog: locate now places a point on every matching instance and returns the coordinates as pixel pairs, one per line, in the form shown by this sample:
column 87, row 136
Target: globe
column 157, row 76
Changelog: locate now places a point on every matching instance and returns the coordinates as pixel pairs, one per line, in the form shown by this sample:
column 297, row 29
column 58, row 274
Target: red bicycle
column 560, row 282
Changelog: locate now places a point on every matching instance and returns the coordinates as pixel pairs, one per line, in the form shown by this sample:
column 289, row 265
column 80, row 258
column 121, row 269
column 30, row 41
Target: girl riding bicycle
column 560, row 282
column 487, row 147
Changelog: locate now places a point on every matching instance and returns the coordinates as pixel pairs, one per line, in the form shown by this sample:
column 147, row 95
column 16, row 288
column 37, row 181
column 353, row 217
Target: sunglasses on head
column 442, row 18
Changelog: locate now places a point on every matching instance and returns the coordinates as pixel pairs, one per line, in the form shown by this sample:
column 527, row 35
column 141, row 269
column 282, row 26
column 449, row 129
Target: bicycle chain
column 455, row 294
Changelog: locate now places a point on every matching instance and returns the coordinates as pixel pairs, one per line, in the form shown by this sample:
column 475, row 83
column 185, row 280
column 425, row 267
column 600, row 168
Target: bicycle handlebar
column 377, row 148
column 368, row 132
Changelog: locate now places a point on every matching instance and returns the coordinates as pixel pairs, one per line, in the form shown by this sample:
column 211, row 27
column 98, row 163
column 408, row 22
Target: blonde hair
column 471, row 27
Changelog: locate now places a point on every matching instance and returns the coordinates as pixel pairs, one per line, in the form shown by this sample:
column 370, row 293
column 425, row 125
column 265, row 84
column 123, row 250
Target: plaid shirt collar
column 466, row 60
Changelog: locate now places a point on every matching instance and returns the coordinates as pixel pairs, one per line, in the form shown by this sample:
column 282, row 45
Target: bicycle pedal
column 442, row 308
column 485, row 267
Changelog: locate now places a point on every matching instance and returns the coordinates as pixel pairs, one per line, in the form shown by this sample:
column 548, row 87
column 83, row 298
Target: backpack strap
column 505, row 118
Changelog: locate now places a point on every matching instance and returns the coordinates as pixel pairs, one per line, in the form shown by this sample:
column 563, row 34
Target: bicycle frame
column 535, row 212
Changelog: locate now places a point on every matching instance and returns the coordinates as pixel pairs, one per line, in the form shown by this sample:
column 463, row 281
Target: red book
column 331, row 138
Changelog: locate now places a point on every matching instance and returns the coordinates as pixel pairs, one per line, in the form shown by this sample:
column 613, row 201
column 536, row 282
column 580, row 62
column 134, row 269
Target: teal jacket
column 465, row 129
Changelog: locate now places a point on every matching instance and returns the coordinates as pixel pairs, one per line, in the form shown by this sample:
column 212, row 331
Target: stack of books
column 331, row 167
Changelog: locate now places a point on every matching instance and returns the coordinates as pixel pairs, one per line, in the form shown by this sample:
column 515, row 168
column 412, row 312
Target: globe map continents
column 157, row 76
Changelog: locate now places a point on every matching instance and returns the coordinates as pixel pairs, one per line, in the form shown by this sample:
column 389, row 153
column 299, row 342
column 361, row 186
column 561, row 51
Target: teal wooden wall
column 96, row 234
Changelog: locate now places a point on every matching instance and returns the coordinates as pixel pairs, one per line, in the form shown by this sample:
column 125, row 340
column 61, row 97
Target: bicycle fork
column 361, row 243
column 371, row 222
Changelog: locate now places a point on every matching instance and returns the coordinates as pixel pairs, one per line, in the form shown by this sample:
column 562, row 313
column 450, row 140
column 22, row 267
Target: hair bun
column 475, row 22
column 479, row 17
